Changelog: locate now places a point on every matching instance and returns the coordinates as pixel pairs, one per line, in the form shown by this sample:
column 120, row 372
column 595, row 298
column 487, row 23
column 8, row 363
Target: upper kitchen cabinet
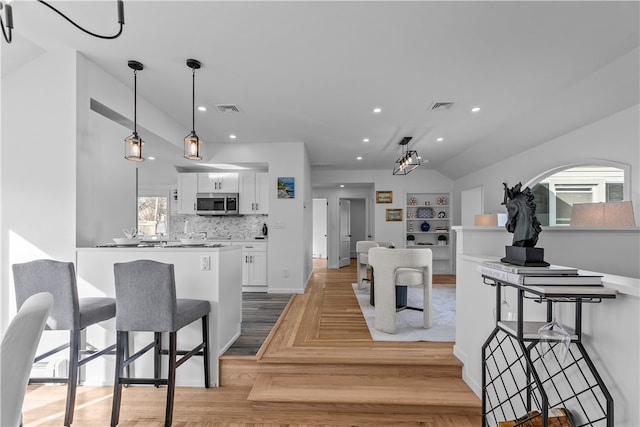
column 187, row 189
column 217, row 183
column 254, row 193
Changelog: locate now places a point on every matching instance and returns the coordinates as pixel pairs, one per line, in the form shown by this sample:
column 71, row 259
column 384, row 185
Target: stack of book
column 551, row 275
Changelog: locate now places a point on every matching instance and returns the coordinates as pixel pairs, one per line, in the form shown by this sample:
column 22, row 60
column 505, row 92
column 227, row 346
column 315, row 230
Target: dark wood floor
column 260, row 311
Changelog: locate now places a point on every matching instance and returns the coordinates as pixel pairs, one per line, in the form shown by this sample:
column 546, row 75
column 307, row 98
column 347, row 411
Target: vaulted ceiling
column 312, row 72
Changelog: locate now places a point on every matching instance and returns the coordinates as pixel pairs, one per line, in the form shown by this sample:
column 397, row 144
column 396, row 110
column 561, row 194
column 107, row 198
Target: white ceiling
column 313, row 71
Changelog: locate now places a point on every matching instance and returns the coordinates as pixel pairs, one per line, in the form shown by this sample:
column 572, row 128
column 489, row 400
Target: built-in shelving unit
column 434, row 210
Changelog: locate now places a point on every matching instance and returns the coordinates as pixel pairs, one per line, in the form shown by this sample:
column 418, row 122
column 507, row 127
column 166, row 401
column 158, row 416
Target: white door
column 320, row 228
column 344, row 220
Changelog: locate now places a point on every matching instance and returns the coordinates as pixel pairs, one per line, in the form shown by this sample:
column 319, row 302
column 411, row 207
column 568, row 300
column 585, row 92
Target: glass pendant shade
column 133, row 148
column 192, row 147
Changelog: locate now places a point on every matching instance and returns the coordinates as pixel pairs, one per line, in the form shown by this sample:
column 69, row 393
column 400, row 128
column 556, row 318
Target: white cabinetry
column 254, row 267
column 187, row 189
column 254, row 193
column 428, row 220
column 217, row 183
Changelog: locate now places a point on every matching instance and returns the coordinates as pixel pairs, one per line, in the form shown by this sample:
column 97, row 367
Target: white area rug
column 409, row 322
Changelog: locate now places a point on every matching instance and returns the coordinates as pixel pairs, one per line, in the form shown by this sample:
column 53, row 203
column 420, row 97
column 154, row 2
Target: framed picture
column 394, row 214
column 384, row 196
column 286, row 188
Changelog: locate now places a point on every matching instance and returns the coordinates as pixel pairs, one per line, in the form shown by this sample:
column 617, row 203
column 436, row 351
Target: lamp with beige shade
column 610, row 214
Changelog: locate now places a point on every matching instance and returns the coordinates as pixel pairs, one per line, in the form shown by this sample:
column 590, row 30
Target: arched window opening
column 556, row 194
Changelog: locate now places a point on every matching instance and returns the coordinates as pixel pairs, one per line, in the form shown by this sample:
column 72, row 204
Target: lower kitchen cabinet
column 254, row 267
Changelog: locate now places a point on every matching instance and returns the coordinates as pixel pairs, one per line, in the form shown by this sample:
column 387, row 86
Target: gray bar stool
column 146, row 301
column 69, row 313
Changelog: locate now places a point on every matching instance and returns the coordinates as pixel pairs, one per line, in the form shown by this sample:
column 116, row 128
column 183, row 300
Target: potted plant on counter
column 411, row 240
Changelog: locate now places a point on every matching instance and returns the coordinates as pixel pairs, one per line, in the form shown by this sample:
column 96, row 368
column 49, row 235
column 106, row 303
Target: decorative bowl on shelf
column 193, row 241
column 126, row 241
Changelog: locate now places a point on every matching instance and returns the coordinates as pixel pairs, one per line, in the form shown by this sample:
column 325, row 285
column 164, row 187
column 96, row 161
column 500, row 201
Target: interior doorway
column 326, row 224
column 344, row 227
column 320, row 215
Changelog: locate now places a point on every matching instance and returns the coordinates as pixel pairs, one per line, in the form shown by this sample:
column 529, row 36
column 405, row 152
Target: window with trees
column 152, row 215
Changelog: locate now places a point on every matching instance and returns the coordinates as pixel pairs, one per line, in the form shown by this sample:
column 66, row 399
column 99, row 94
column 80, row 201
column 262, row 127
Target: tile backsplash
column 235, row 227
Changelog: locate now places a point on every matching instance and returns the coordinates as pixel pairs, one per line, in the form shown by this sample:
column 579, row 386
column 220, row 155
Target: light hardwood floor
column 318, row 367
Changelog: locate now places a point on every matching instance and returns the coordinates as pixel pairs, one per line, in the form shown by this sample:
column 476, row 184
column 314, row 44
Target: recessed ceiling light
column 202, row 108
column 365, row 140
column 440, row 139
column 151, row 158
column 475, row 109
column 377, row 110
column 232, row 136
column 341, row 185
column 359, row 158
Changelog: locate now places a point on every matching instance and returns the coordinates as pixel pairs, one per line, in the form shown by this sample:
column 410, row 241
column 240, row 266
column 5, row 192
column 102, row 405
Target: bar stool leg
column 157, row 361
column 205, row 340
column 72, row 380
column 171, row 378
column 121, row 340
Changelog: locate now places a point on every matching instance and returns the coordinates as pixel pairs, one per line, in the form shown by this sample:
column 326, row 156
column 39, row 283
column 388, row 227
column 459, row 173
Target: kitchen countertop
column 172, row 244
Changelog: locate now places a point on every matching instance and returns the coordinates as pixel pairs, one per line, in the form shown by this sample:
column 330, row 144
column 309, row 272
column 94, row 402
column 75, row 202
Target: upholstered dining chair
column 19, row 345
column 69, row 313
column 362, row 258
column 391, row 267
column 146, row 301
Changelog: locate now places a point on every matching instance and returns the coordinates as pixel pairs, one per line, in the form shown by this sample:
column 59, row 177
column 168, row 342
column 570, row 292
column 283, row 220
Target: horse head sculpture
column 521, row 211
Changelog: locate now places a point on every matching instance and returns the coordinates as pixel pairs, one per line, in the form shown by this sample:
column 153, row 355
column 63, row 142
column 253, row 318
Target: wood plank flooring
column 303, row 375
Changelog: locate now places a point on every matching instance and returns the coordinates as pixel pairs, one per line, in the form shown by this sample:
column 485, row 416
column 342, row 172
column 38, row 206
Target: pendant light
column 133, row 143
column 192, row 142
column 408, row 160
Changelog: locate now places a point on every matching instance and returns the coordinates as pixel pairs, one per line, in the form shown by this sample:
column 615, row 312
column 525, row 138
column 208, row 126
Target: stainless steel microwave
column 217, row 204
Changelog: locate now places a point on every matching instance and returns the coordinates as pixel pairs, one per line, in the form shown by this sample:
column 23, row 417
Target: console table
column 517, row 379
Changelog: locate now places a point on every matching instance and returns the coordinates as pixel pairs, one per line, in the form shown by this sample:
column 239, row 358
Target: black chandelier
column 408, row 160
column 8, row 17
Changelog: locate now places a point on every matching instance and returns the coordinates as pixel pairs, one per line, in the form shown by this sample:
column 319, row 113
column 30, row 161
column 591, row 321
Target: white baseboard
column 474, row 386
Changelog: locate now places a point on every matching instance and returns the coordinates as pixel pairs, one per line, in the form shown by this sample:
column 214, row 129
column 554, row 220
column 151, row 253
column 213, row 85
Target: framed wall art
column 286, row 188
column 394, row 214
column 384, row 196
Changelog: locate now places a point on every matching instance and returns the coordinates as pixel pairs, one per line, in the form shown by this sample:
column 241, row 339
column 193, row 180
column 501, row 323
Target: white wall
column 38, row 166
column 290, row 220
column 106, row 184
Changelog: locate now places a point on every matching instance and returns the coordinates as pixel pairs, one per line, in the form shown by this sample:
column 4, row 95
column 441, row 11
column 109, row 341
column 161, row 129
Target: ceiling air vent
column 440, row 106
column 228, row 108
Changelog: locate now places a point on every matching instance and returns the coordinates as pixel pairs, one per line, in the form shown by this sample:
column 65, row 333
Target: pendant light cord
column 135, row 102
column 120, row 21
column 193, row 106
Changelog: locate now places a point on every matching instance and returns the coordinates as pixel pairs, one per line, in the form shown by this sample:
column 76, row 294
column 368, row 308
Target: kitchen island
column 209, row 273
